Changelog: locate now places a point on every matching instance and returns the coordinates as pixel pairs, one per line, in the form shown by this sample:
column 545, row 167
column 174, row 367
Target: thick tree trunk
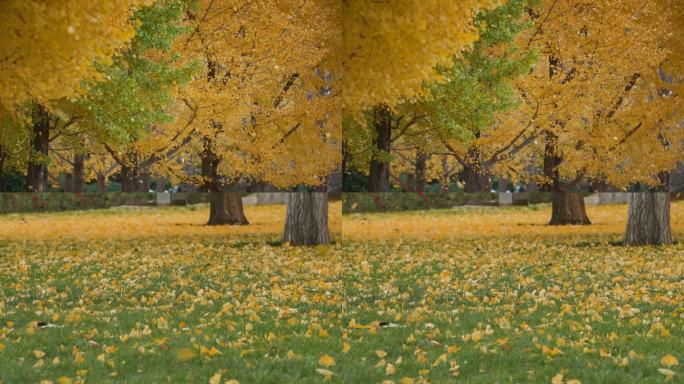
column 306, row 220
column 568, row 209
column 225, row 208
column 421, row 166
column 648, row 221
column 476, row 180
column 37, row 176
column 143, row 182
column 379, row 175
column 79, row 160
column 128, row 179
column 101, row 183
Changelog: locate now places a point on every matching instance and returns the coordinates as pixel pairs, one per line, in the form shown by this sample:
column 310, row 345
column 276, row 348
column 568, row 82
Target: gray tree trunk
column 568, row 208
column 225, row 208
column 306, row 220
column 648, row 221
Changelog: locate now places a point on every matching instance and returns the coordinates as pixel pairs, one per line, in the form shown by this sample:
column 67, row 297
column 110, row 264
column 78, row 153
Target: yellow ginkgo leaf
column 216, row 379
column 381, row 353
column 185, row 354
column 38, row 354
column 558, row 379
column 668, row 361
column 326, row 361
column 345, row 347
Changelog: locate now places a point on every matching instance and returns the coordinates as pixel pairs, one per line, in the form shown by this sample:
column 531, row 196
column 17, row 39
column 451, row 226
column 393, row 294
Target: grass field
column 468, row 295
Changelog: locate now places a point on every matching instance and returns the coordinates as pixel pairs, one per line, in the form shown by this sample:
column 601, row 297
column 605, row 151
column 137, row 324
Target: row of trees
column 566, row 95
column 218, row 94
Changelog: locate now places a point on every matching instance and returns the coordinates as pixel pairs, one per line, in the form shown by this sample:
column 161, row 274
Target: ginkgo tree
column 595, row 99
column 47, row 54
column 265, row 105
column 389, row 49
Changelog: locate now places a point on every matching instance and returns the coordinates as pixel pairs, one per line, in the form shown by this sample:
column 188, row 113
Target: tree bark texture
column 225, row 208
column 568, row 209
column 306, row 221
column 648, row 221
column 475, row 179
column 421, row 166
column 37, row 176
column 379, row 175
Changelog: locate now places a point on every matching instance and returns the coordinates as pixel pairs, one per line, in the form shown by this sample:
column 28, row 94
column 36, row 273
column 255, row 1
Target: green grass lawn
column 227, row 305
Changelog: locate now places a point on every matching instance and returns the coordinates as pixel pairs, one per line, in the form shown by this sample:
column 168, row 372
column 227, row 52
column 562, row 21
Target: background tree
column 266, row 102
column 593, row 98
column 461, row 111
column 414, row 37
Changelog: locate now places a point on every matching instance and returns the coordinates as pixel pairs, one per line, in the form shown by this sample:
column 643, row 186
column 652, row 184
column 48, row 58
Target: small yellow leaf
column 345, row 347
column 64, row 380
column 101, row 357
column 38, row 354
column 216, row 379
column 79, row 358
column 326, row 361
column 390, row 369
column 668, row 361
column 185, row 354
column 558, row 379
column 380, row 353
column 573, row 381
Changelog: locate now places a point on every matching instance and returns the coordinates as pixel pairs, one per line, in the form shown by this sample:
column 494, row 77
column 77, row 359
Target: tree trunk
column 210, row 164
column 421, row 165
column 101, row 183
column 476, row 180
column 69, row 182
column 648, row 221
column 79, row 160
column 143, row 182
column 379, row 175
column 37, row 176
column 568, row 209
column 306, row 220
column 128, row 179
column 551, row 163
column 225, row 208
